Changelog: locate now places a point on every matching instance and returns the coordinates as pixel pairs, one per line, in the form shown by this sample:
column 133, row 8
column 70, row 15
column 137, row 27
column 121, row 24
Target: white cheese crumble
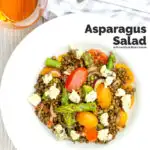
column 104, row 119
column 74, row 97
column 34, row 99
column 108, row 74
column 74, row 135
column 109, row 80
column 91, row 97
column 98, row 82
column 47, row 78
column 120, row 92
column 105, row 72
column 104, row 135
column 60, row 132
column 53, row 92
column 114, row 74
column 79, row 54
column 58, row 128
column 67, row 73
column 126, row 102
column 103, row 69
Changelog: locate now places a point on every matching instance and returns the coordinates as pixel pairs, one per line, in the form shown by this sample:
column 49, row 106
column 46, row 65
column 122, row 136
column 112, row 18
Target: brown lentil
column 69, row 63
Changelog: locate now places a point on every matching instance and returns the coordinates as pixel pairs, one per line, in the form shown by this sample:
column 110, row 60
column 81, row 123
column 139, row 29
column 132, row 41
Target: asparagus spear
column 65, row 97
column 88, row 60
column 87, row 89
column 72, row 108
column 111, row 61
column 69, row 119
column 52, row 63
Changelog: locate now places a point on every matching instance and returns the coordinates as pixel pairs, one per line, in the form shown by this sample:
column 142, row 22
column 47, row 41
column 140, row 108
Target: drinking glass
column 33, row 18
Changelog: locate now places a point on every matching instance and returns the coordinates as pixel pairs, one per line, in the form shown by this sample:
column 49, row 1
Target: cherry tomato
column 104, row 96
column 129, row 73
column 87, row 119
column 76, row 79
column 99, row 56
column 91, row 134
column 122, row 119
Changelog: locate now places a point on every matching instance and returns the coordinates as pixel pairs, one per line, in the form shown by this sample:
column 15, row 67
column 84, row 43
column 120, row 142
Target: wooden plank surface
column 9, row 39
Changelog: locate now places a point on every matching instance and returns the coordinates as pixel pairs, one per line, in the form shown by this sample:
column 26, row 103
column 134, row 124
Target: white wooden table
column 9, row 39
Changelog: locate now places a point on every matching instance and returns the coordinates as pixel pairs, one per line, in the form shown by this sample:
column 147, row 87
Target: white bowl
column 52, row 38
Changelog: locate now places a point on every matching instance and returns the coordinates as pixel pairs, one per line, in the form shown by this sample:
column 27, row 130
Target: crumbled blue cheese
column 98, row 82
column 104, row 119
column 74, row 97
column 66, row 73
column 60, row 133
column 109, row 80
column 58, row 128
column 91, row 97
column 103, row 69
column 53, row 92
column 34, row 99
column 114, row 74
column 74, row 135
column 47, row 78
column 105, row 72
column 108, row 74
column 126, row 102
column 79, row 54
column 104, row 135
column 120, row 92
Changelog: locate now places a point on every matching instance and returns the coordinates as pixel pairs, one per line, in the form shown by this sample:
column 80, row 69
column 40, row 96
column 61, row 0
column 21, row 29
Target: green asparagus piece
column 100, row 126
column 65, row 97
column 44, row 97
column 72, row 108
column 52, row 63
column 88, row 60
column 87, row 89
column 111, row 61
column 69, row 119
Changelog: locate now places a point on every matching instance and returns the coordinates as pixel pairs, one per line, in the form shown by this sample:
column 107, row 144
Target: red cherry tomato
column 91, row 134
column 99, row 56
column 76, row 79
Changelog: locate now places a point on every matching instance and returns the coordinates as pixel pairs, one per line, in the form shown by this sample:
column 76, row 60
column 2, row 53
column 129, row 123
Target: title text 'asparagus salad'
column 84, row 96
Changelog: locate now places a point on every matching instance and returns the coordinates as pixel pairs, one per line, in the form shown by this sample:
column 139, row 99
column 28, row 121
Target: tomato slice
column 76, row 79
column 99, row 56
column 91, row 134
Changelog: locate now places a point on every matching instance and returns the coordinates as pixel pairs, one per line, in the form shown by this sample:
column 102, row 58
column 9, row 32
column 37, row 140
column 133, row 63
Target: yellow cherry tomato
column 104, row 96
column 122, row 119
column 87, row 119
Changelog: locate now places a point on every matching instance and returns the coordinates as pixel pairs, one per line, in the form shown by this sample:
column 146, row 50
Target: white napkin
column 135, row 10
column 60, row 7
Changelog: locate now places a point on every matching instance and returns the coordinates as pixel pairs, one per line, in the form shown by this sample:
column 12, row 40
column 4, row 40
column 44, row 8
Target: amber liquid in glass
column 16, row 10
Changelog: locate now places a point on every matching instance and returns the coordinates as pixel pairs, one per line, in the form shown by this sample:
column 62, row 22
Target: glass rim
column 33, row 18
